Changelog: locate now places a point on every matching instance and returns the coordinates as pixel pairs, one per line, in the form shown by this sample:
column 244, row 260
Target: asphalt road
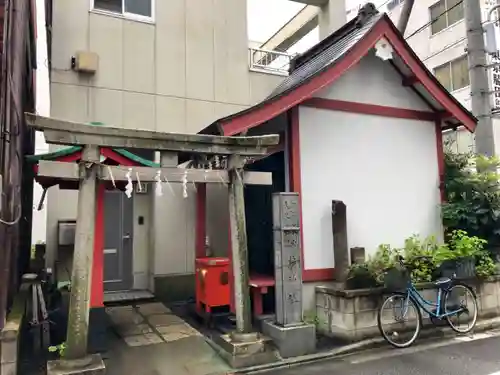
column 453, row 357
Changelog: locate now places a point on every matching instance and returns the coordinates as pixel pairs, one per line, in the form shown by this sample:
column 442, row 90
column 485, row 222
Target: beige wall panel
column 69, row 34
column 261, row 85
column 139, row 111
column 199, row 114
column 106, row 106
column 170, row 114
column 200, row 49
column 106, row 39
column 171, row 48
column 139, row 57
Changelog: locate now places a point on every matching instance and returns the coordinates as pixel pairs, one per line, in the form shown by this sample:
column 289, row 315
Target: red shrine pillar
column 231, row 275
column 97, row 286
column 97, row 340
column 201, row 221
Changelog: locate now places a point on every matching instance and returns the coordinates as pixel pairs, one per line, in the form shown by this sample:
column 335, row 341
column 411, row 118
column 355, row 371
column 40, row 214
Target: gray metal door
column 118, row 239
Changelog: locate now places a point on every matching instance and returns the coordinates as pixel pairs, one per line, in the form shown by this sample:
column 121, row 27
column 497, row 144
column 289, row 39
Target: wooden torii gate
column 236, row 150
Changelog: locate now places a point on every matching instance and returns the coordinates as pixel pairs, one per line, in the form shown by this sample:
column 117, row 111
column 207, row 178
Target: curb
column 428, row 332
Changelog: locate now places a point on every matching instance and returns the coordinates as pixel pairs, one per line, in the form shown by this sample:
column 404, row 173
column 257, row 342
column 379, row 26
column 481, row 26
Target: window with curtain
column 445, row 13
column 454, row 75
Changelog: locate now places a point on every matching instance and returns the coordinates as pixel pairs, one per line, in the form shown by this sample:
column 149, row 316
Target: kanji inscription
column 288, row 269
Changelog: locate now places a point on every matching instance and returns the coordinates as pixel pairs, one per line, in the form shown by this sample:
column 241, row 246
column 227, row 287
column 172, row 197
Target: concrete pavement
column 148, row 339
column 462, row 356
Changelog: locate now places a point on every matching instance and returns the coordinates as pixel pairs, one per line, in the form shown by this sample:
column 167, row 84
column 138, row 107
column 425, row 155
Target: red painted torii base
column 97, row 285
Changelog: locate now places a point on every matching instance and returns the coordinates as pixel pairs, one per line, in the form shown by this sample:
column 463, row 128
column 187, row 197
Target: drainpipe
column 405, row 15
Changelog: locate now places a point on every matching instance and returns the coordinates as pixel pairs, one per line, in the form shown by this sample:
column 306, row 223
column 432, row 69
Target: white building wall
column 384, row 169
column 373, row 81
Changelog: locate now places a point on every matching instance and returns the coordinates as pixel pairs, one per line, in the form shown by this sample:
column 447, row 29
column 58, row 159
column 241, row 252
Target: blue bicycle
column 405, row 307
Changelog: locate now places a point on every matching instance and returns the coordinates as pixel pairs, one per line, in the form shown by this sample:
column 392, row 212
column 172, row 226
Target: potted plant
column 462, row 254
column 359, row 276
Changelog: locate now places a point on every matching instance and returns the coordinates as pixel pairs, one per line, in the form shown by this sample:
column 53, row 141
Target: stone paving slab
column 177, row 332
column 133, row 329
column 143, row 340
column 126, row 317
column 164, row 320
column 184, row 328
column 156, row 308
column 149, row 323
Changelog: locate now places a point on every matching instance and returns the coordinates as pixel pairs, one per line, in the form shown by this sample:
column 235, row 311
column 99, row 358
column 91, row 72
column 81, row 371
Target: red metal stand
column 212, row 283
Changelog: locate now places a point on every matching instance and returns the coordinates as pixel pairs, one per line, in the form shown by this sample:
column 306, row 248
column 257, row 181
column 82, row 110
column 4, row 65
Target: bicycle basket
column 448, row 268
column 466, row 267
column 460, row 268
column 396, row 279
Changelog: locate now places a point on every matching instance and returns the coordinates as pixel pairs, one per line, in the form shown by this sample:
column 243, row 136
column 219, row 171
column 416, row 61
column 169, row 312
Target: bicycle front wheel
column 399, row 320
column 460, row 308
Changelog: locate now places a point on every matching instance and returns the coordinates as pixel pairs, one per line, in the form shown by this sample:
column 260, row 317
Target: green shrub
column 464, row 245
column 485, row 266
column 460, row 245
column 360, row 276
column 424, row 258
column 414, row 250
column 384, row 258
column 472, row 196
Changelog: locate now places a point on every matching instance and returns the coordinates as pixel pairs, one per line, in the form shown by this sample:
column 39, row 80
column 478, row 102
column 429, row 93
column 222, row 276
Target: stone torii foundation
column 89, row 172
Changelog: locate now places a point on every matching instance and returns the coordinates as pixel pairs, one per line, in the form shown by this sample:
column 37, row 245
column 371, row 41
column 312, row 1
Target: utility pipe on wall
column 405, row 15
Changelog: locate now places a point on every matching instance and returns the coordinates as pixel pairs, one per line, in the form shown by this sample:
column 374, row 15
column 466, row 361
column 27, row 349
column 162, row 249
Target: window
column 453, row 75
column 140, row 9
column 445, row 13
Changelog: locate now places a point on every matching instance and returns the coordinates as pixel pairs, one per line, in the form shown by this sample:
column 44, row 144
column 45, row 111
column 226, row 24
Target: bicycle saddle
column 443, row 282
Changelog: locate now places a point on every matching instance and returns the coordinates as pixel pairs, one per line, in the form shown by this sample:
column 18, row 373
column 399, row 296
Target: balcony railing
column 272, row 62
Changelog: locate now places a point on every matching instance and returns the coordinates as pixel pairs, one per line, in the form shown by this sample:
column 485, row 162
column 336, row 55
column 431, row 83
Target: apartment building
column 436, row 32
column 172, row 66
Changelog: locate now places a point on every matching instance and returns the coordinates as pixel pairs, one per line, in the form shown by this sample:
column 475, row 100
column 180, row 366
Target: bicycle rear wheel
column 461, row 298
column 405, row 328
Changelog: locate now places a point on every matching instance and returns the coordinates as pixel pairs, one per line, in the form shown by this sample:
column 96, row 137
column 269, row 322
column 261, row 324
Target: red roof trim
column 417, row 67
column 383, row 28
column 370, row 109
